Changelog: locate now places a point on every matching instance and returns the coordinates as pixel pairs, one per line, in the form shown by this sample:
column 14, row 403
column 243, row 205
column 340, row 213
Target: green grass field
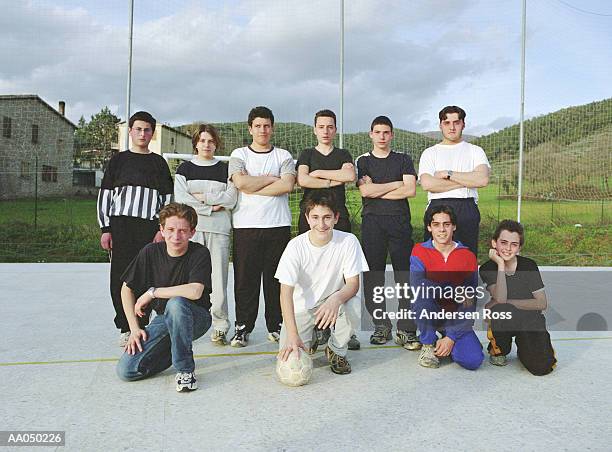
column 67, row 231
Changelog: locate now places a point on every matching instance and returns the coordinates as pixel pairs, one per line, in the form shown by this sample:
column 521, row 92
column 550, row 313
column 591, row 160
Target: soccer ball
column 296, row 371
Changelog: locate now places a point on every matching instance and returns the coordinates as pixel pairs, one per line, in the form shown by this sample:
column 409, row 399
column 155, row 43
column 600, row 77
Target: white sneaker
column 274, row 336
column 124, row 338
column 185, row 382
column 427, row 358
column 218, row 337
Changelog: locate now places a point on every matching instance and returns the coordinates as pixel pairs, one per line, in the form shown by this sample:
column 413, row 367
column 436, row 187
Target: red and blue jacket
column 429, row 268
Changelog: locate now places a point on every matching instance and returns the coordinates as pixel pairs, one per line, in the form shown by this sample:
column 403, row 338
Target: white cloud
column 206, row 60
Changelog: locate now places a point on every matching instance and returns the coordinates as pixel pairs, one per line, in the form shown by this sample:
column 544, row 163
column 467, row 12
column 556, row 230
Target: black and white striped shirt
column 134, row 185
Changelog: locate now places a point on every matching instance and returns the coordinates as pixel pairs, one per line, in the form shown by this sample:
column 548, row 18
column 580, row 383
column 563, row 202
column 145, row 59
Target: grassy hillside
column 567, row 154
column 561, row 127
column 577, row 171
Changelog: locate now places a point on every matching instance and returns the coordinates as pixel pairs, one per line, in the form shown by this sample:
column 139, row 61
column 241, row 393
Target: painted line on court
column 222, row 355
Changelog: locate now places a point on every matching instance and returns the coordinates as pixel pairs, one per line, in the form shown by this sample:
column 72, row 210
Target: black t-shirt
column 522, row 284
column 392, row 168
column 191, row 171
column 333, row 161
column 154, row 267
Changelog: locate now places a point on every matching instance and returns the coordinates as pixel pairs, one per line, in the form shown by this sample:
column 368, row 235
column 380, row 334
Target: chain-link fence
column 203, row 61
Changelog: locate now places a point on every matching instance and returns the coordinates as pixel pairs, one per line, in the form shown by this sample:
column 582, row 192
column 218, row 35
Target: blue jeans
column 169, row 338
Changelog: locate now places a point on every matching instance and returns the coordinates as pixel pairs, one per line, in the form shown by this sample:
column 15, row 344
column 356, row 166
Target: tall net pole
column 522, row 118
column 129, row 74
column 342, row 73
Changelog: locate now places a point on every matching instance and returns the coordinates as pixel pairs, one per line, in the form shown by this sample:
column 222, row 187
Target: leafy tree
column 95, row 138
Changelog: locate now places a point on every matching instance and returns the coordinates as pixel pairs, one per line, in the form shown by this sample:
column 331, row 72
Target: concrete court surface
column 57, row 372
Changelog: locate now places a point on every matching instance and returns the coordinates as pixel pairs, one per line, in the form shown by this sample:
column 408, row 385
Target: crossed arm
column 263, row 185
column 219, row 200
column 325, row 178
column 438, row 183
column 406, row 188
column 134, row 308
column 325, row 315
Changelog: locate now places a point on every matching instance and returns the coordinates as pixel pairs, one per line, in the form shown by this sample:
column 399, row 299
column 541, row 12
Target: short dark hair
column 442, row 208
column 510, row 226
column 321, row 198
column 381, row 120
column 325, row 114
column 142, row 116
column 175, row 209
column 209, row 129
column 260, row 112
column 451, row 109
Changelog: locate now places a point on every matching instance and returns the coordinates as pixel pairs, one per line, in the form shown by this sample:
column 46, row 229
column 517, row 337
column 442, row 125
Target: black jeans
column 130, row 235
column 256, row 252
column 382, row 235
column 533, row 346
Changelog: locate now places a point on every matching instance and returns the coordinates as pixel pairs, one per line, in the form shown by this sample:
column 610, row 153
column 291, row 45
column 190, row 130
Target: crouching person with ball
column 319, row 276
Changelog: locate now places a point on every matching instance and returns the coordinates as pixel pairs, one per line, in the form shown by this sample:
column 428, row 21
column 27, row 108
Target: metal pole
column 129, row 75
column 341, row 73
column 36, row 192
column 522, row 119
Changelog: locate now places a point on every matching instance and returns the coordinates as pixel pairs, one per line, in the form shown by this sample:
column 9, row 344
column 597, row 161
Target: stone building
column 165, row 140
column 36, row 148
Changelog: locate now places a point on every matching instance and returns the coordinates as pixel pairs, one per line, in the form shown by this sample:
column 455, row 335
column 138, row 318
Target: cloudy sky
column 214, row 60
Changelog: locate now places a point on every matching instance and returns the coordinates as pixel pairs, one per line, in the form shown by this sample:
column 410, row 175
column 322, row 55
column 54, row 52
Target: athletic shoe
column 381, row 335
column 353, row 343
column 427, row 358
column 241, row 338
column 338, row 364
column 185, row 382
column 319, row 337
column 407, row 339
column 124, row 338
column 218, row 337
column 274, row 336
column 498, row 360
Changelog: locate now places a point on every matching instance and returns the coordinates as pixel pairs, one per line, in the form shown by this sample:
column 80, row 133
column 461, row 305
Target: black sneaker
column 319, row 337
column 338, row 364
column 381, row 335
column 186, row 382
column 353, row 343
column 241, row 337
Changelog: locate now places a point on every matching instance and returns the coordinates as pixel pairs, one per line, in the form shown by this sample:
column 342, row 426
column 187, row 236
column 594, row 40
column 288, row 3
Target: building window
column 171, row 141
column 34, row 134
column 49, row 173
column 25, row 170
column 6, row 127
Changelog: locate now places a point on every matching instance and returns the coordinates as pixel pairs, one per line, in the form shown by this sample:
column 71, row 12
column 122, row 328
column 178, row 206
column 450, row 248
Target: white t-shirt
column 256, row 211
column 461, row 157
column 317, row 272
